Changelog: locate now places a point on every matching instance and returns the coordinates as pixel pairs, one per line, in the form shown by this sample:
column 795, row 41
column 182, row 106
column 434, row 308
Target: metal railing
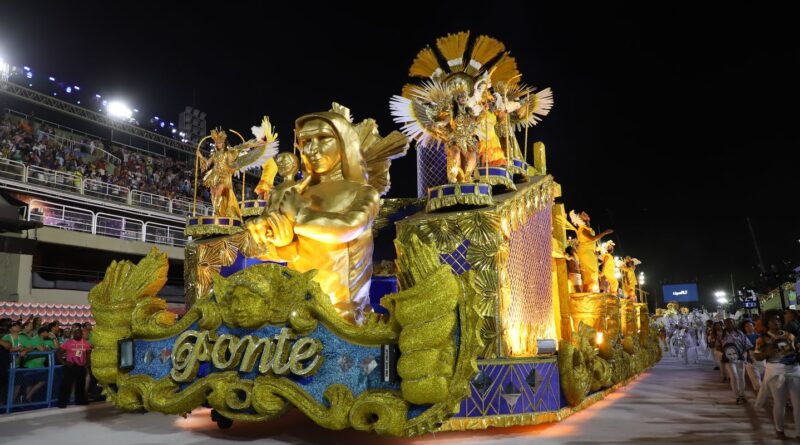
column 163, row 234
column 118, row 227
column 13, row 170
column 55, row 179
column 104, row 190
column 150, row 201
column 74, row 219
column 74, row 183
column 77, row 219
column 51, row 396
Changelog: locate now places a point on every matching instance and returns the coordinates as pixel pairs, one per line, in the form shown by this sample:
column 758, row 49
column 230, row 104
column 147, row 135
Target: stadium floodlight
column 641, row 278
column 5, row 69
column 52, row 79
column 119, row 110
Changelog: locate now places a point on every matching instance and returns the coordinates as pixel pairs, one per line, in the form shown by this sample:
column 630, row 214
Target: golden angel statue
column 225, row 161
column 324, row 221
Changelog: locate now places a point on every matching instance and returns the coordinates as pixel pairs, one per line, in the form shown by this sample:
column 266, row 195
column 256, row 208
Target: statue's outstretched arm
column 335, row 227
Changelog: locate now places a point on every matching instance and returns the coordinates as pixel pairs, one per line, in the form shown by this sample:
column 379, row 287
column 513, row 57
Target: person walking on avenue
column 781, row 374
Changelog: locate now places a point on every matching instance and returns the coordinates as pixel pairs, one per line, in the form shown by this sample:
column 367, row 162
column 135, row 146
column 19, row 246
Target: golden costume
column 629, row 281
column 324, row 222
column 226, row 161
column 608, row 272
column 587, row 246
column 490, row 147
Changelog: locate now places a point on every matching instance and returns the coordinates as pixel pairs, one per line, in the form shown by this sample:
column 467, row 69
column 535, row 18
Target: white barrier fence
column 77, row 219
column 74, row 183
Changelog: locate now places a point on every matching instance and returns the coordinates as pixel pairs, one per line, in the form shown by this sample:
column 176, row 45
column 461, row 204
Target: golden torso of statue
column 334, row 237
column 324, row 222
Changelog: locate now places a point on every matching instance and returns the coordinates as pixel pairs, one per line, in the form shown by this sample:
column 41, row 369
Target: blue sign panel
column 681, row 292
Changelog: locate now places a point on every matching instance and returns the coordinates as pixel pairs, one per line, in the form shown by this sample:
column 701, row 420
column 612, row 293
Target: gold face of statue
column 287, row 165
column 320, row 146
column 248, row 309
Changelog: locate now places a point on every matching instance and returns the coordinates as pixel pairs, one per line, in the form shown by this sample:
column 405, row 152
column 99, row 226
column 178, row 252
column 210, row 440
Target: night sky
column 670, row 125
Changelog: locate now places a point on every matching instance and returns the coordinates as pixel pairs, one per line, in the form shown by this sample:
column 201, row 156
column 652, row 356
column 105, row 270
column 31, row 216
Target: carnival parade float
column 477, row 321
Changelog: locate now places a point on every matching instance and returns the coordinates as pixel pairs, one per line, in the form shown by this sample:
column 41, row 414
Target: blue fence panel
column 16, row 373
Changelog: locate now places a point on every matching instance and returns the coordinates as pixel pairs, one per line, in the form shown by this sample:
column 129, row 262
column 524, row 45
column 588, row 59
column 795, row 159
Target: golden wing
column 419, row 110
column 379, row 152
column 268, row 173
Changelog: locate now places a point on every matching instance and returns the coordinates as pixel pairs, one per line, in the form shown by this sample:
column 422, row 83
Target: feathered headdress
column 576, row 219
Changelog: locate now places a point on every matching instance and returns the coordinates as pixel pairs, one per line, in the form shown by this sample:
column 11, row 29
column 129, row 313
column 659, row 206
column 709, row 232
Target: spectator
column 43, row 342
column 159, row 175
column 19, row 344
column 76, row 360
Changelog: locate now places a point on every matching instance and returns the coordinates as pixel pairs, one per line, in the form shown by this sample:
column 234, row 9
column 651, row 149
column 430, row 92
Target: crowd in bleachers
column 25, row 341
column 36, row 143
column 762, row 350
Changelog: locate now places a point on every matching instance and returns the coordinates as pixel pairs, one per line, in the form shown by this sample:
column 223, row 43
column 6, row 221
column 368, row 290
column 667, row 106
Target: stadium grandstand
column 79, row 189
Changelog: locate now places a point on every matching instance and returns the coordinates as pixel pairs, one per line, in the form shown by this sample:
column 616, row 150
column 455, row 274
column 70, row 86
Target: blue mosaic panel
column 431, row 169
column 457, row 259
column 357, row 367
column 241, row 263
column 513, row 388
column 379, row 287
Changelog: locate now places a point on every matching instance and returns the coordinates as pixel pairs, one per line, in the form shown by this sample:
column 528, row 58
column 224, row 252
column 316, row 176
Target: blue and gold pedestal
column 498, row 176
column 449, row 195
column 205, row 226
column 253, row 207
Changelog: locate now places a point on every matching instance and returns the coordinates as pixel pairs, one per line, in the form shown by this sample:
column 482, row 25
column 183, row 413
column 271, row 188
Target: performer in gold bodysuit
column 608, row 268
column 462, row 141
column 324, row 221
column 587, row 248
column 225, row 161
column 219, row 169
column 629, row 280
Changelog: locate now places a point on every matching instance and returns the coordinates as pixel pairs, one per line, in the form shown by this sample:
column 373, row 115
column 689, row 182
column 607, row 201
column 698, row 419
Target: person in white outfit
column 781, row 373
column 715, row 343
column 753, row 368
column 735, row 350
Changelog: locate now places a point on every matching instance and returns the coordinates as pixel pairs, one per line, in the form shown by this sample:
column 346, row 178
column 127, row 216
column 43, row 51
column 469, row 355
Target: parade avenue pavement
column 672, row 403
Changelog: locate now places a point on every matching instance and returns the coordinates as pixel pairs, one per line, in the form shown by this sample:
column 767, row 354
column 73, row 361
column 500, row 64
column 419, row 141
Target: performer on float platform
column 608, row 269
column 629, row 281
column 587, row 246
column 226, row 161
